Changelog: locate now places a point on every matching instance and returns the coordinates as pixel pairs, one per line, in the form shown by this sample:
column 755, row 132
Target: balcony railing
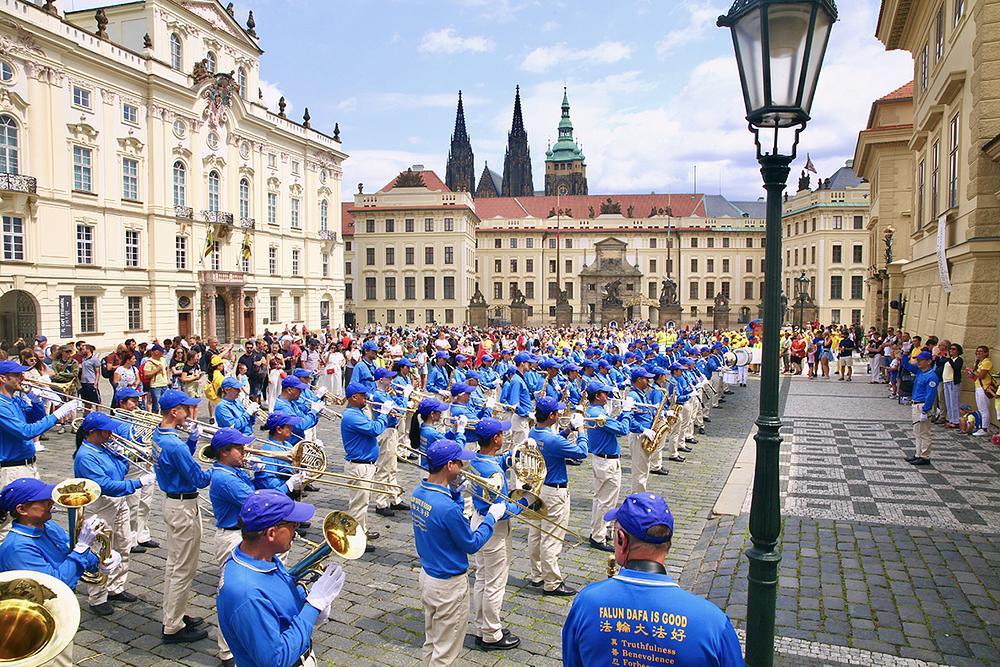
column 222, row 277
column 327, row 235
column 18, row 183
column 218, row 217
column 248, row 223
column 184, row 212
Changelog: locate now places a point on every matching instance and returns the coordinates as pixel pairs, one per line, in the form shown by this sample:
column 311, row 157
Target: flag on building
column 209, row 241
column 809, row 164
column 247, row 250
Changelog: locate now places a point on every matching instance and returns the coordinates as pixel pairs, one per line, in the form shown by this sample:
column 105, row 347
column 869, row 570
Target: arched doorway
column 18, row 316
column 221, row 319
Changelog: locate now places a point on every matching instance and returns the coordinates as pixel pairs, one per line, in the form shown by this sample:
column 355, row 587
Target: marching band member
column 607, row 459
column 550, row 383
column 140, row 502
column 544, row 549
column 265, row 616
column 493, row 559
column 288, row 402
column 573, row 393
column 444, row 540
column 461, row 369
column 231, row 412
column 21, row 421
column 387, row 464
column 460, row 407
column 682, row 394
column 96, row 460
column 279, row 427
column 403, row 384
column 505, row 365
column 690, row 629
column 640, row 421
column 488, row 378
column 180, row 477
column 360, row 436
column 438, row 375
column 231, row 486
column 364, row 371
column 658, row 388
column 308, row 398
column 519, row 394
column 423, row 429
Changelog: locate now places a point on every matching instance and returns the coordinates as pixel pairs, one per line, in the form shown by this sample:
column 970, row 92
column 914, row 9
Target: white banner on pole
column 942, row 232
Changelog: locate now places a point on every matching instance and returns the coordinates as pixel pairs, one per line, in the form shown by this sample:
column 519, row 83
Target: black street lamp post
column 779, row 50
column 800, row 284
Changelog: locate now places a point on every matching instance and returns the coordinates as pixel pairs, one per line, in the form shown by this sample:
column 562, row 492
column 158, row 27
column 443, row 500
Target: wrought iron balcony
column 327, row 235
column 184, row 212
column 248, row 223
column 18, row 183
column 218, row 217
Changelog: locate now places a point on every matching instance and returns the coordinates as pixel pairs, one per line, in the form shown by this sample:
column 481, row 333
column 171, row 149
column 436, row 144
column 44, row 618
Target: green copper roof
column 565, row 149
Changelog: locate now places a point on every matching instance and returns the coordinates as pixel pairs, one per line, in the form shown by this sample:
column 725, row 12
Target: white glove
column 254, row 464
column 296, row 481
column 67, row 408
column 112, row 563
column 497, row 510
column 324, row 615
column 252, row 408
column 576, row 421
column 327, row 587
column 407, row 390
column 88, row 533
column 386, row 407
column 195, row 432
column 628, row 404
column 147, row 479
column 923, row 416
column 316, row 406
column 321, row 392
column 490, row 403
column 649, row 433
column 461, row 488
column 445, row 394
column 460, row 423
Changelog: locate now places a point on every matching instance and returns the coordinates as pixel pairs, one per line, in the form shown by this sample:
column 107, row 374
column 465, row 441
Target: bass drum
column 742, row 355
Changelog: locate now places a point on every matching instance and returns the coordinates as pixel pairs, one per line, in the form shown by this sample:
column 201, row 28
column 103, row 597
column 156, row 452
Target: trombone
column 342, row 535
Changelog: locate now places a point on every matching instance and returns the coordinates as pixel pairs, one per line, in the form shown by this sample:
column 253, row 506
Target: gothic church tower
column 517, row 163
column 460, row 175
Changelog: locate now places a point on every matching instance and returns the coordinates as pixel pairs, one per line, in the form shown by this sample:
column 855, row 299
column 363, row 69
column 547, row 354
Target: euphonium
column 39, row 615
column 342, row 535
column 74, row 494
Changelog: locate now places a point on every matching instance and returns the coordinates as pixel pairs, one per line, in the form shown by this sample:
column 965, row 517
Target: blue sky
column 652, row 84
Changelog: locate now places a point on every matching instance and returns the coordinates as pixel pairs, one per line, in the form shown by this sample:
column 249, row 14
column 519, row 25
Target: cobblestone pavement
column 883, row 563
column 378, row 618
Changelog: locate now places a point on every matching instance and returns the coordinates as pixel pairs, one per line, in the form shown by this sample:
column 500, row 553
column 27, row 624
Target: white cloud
column 447, row 41
column 543, row 58
column 272, row 93
column 701, row 20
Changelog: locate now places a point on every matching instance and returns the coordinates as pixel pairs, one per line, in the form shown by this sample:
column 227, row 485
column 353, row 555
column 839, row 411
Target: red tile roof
column 682, row 205
column 904, row 92
column 346, row 219
column 431, row 180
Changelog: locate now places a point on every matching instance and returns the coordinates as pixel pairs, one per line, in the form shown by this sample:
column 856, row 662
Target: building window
column 408, row 225
column 838, row 222
column 6, row 71
column 295, row 261
column 568, row 243
column 711, row 242
column 449, row 226
column 295, row 167
column 9, row 151
column 180, row 184
column 959, row 11
column 272, row 260
column 552, row 243
column 390, row 316
column 410, row 288
column 693, row 290
column 748, row 290
column 812, row 257
column 211, row 62
column 448, row 287
column 857, row 287
column 859, row 222
column 130, row 179
column 244, row 198
column 449, row 316
column 81, row 97
column 347, row 268
column 411, row 316
column 694, row 265
column 652, row 266
column 369, row 256
column 496, row 243
column 652, row 243
column 408, row 255
column 529, row 243
column 429, row 315
column 82, row 169
column 725, row 266
column 552, row 266
column 13, row 238
column 529, row 265
column 651, row 290
column 369, row 226
column 497, row 290
column 390, row 288
column 390, row 256
column 836, row 287
column 939, row 35
column 858, row 253
column 134, row 313
column 390, row 226
column 324, row 215
column 272, row 208
column 835, row 316
column 216, row 255
column 924, row 64
column 725, row 288
column 241, row 81
column 214, row 187
column 348, row 291
column 180, row 252
column 838, row 254
column 513, row 266
column 293, row 214
column 429, row 288
column 694, row 241
column 428, row 224
column 568, row 266
column 710, row 266
column 920, row 193
column 749, row 268
column 132, row 248
column 88, row 314
column 176, row 55
column 795, row 254
column 272, row 160
column 497, row 265
column 953, row 162
column 449, row 254
column 529, row 289
column 710, row 289
column 935, row 175
column 370, row 288
column 130, row 113
column 84, row 244
column 553, row 289
column 725, row 242
column 428, row 255
column 297, row 308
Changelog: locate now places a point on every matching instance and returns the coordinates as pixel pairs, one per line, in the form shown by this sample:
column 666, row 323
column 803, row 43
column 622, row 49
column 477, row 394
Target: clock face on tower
column 563, row 190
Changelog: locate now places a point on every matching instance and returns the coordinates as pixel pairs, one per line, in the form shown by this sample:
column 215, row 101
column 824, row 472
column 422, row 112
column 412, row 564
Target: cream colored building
column 825, row 240
column 537, row 245
column 127, row 146
column 883, row 158
column 955, row 146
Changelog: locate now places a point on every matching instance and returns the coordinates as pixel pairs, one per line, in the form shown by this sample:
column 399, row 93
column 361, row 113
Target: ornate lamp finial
column 281, row 106
column 336, row 132
column 305, row 118
column 251, row 24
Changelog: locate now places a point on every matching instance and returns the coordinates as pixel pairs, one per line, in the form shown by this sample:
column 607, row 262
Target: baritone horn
column 74, row 494
column 342, row 535
column 39, row 615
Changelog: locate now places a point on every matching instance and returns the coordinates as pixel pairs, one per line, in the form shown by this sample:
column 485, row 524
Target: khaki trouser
column 8, row 475
column 492, row 567
column 64, row 659
column 607, row 485
column 640, row 463
column 717, row 383
column 656, row 460
column 687, row 418
column 519, row 428
column 446, row 614
column 183, row 519
column 544, row 550
column 115, row 513
column 387, row 466
column 357, row 499
column 138, row 508
column 225, row 542
column 921, row 431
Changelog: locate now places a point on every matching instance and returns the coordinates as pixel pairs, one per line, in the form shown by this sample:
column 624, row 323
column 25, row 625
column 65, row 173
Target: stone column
column 238, row 329
column 208, row 301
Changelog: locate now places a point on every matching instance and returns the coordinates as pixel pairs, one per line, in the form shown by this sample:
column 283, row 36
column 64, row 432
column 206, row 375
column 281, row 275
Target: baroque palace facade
column 144, row 186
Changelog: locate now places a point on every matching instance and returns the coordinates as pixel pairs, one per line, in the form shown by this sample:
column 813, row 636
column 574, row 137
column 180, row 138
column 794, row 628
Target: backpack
column 106, row 373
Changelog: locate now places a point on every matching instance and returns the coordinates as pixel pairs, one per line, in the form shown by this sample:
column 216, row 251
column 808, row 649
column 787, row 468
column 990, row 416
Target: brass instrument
column 612, row 565
column 342, row 535
column 39, row 616
column 529, row 467
column 451, row 421
column 74, row 494
column 649, row 445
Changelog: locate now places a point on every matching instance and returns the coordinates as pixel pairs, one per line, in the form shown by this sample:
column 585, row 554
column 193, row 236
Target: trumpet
column 450, row 420
column 74, row 494
column 342, row 535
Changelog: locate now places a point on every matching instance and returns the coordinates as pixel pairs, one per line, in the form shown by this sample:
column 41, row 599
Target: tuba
column 39, row 615
column 74, row 494
column 342, row 535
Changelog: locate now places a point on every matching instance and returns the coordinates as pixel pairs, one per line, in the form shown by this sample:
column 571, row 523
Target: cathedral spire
column 517, row 162
column 460, row 175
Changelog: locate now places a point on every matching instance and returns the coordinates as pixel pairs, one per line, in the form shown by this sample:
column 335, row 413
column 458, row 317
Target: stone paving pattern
column 378, row 618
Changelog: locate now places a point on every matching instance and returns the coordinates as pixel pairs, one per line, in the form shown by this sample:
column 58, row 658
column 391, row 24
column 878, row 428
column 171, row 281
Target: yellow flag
column 209, row 242
column 247, row 248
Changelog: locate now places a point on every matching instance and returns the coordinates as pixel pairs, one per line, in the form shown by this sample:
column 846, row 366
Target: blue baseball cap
column 230, row 383
column 24, row 490
column 603, row 363
column 487, row 428
column 444, row 450
column 459, row 358
column 598, row 387
column 925, row 355
column 355, row 388
column 292, row 382
column 12, row 367
column 126, row 392
column 460, row 388
column 639, row 513
column 545, row 364
column 276, row 419
column 486, row 359
column 265, row 508
column 97, row 421
column 405, row 362
column 472, row 375
column 441, row 354
column 569, row 368
column 676, row 367
column 521, row 357
column 172, row 398
column 547, row 404
column 301, row 373
column 640, row 372
column 384, row 373
column 157, row 348
column 228, row 437
column 589, row 364
column 429, row 405
column 369, row 345
column 506, row 353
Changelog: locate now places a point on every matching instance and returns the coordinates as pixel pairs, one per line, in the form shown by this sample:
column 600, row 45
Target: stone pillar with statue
column 612, row 306
column 720, row 313
column 518, row 309
column 478, row 310
column 564, row 311
column 670, row 306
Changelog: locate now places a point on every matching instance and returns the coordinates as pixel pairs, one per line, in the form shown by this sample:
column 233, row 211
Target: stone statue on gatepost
column 478, row 310
column 612, row 306
column 564, row 311
column 518, row 308
column 670, row 306
column 720, row 312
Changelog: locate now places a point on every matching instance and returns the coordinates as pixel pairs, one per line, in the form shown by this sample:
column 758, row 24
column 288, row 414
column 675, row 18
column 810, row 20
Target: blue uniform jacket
column 534, row 380
column 520, row 395
column 232, row 486
column 45, row 550
column 302, row 411
column 360, row 434
column 485, row 466
column 20, row 423
column 641, row 418
column 604, row 439
column 106, row 468
column 232, row 413
column 275, row 471
column 437, row 379
column 175, row 467
column 650, row 616
column 379, row 397
column 488, row 377
column 262, row 612
column 556, row 448
column 442, row 536
column 924, row 384
column 364, row 372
